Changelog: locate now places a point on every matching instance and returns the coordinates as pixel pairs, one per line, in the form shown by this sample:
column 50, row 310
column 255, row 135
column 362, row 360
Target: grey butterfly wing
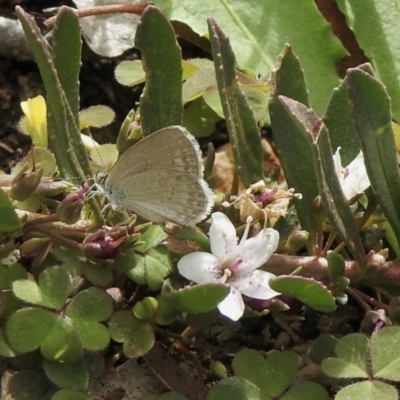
column 161, row 179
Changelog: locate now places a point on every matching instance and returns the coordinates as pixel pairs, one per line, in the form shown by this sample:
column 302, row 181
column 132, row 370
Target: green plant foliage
column 51, row 291
column 137, row 336
column 63, row 129
column 96, row 117
column 67, row 375
column 130, row 73
column 371, row 111
column 197, row 299
column 260, row 378
column 242, row 127
column 10, row 221
column 87, row 310
column 307, row 290
column 373, row 359
column 31, row 385
column 376, row 29
column 161, row 101
column 257, row 49
column 299, row 171
column 80, row 286
column 152, row 268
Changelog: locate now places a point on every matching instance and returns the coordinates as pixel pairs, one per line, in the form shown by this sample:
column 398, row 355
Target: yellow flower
column 35, row 123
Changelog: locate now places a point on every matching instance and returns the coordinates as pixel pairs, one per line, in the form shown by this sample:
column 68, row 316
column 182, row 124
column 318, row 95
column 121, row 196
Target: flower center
column 345, row 173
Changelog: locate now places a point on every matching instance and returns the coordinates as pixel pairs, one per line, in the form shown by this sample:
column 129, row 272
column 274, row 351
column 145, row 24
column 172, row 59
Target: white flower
column 233, row 264
column 353, row 179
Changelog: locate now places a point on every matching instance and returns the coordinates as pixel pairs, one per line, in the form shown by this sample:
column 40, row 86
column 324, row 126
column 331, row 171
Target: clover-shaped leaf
column 151, row 237
column 272, row 375
column 31, row 328
column 373, row 390
column 352, row 361
column 152, row 269
column 67, row 375
column 51, row 291
column 384, row 347
column 137, row 336
column 87, row 310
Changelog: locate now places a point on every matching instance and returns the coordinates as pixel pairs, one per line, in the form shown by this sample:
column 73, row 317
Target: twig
column 102, row 10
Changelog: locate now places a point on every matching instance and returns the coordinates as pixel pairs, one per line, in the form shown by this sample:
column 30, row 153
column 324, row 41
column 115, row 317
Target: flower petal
column 338, row 163
column 199, row 267
column 356, row 179
column 255, row 285
column 232, row 306
column 223, row 239
column 257, row 250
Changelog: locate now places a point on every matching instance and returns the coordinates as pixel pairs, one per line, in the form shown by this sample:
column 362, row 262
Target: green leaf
column 97, row 275
column 257, row 45
column 63, row 130
column 323, row 347
column 130, row 73
column 166, row 313
column 294, row 149
column 9, row 274
column 72, row 376
column 161, row 100
column 66, row 50
column 153, row 268
column 235, row 389
column 242, row 127
column 371, row 390
column 309, row 291
column 335, row 203
column 376, row 27
column 198, row 83
column 385, row 353
column 340, row 124
column 336, row 264
column 152, row 237
column 87, row 310
column 27, row 328
column 96, row 117
column 9, row 221
column 145, row 309
column 197, row 299
column 62, row 344
column 5, row 349
column 370, row 106
column 199, row 119
column 31, row 328
column 352, row 361
column 306, row 391
column 138, row 336
column 52, row 291
column 271, row 376
column 30, row 383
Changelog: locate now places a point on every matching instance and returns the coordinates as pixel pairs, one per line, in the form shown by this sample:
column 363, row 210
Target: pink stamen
column 235, row 266
column 264, row 198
